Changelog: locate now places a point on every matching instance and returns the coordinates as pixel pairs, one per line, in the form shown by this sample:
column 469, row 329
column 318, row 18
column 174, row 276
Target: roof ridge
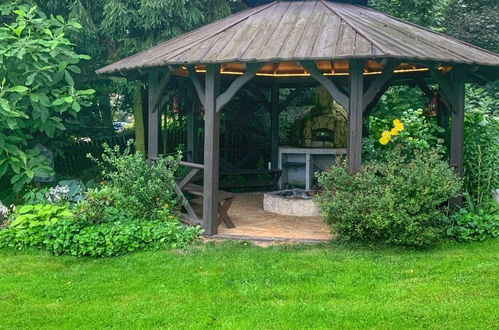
column 329, row 5
column 430, row 30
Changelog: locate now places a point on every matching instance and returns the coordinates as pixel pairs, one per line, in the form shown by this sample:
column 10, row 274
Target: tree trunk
column 138, row 110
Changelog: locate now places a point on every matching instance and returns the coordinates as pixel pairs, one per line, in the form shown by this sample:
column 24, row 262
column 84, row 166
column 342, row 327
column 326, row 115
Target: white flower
column 58, row 194
column 4, row 211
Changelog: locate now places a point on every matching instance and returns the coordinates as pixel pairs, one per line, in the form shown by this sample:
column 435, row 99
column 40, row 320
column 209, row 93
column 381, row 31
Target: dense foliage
column 137, row 189
column 116, row 29
column 132, row 210
column 70, row 236
column 37, row 91
column 398, row 200
column 420, row 133
column 474, row 21
column 473, row 226
column 481, row 158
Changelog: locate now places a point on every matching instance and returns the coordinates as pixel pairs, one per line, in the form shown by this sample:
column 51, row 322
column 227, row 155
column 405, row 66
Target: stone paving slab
column 254, row 223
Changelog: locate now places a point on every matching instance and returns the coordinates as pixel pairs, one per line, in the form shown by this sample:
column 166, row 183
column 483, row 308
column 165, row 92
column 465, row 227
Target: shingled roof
column 307, row 30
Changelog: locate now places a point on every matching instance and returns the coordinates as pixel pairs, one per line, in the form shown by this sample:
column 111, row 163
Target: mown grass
column 236, row 285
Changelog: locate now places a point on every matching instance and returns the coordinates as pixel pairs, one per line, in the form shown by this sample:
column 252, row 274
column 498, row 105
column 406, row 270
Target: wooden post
column 355, row 111
column 457, row 129
column 274, row 127
column 211, row 150
column 192, row 133
column 154, row 116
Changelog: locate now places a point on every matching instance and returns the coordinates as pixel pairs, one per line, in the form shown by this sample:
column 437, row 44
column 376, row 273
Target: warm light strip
column 308, row 74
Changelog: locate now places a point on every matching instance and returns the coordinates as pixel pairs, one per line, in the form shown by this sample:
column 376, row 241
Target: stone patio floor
column 255, row 224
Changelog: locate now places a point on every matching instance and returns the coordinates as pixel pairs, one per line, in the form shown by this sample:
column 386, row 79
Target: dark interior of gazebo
column 352, row 51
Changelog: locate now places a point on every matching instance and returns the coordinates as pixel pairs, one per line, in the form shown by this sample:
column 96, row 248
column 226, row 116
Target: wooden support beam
column 153, row 116
column 379, row 83
column 423, row 86
column 274, row 126
column 368, row 108
column 158, row 101
column 192, row 132
column 188, row 178
column 236, row 85
column 258, row 96
column 335, row 92
column 291, row 97
column 355, row 112
column 444, row 85
column 211, row 150
column 198, row 85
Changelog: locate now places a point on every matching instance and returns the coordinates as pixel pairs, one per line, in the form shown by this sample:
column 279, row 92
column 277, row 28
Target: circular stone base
column 275, row 202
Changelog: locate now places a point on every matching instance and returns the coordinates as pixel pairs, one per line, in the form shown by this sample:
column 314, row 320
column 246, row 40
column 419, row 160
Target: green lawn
column 236, row 285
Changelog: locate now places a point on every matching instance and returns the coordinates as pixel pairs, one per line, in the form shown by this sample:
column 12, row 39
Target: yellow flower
column 386, row 134
column 384, row 140
column 171, row 217
column 395, row 131
column 400, row 127
column 166, row 206
column 396, row 122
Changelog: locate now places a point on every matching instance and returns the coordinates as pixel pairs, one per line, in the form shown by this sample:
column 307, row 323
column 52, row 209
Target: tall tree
column 474, row 21
column 113, row 29
column 37, row 90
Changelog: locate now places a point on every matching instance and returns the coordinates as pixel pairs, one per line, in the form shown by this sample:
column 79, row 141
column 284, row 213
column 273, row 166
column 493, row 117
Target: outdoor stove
column 295, row 202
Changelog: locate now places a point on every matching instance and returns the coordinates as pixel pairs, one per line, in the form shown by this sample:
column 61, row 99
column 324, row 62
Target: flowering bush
column 386, row 136
column 67, row 191
column 412, row 130
column 399, row 200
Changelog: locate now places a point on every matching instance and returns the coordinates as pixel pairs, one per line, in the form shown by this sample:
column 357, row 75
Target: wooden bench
column 225, row 198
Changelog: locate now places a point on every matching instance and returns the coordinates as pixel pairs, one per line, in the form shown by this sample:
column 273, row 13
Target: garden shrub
column 29, row 222
column 470, row 226
column 399, row 200
column 54, row 228
column 139, row 189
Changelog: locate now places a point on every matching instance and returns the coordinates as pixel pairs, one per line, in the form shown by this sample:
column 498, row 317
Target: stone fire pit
column 295, row 202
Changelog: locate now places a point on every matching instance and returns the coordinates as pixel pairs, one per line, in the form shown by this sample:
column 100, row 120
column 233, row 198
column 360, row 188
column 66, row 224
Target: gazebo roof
column 287, row 31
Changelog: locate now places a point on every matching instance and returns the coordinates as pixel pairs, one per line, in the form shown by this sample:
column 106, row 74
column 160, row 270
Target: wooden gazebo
column 355, row 52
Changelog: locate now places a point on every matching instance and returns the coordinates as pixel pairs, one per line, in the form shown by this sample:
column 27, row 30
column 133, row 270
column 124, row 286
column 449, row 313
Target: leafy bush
column 37, row 65
column 118, row 238
column 54, row 228
column 141, row 190
column 481, row 155
column 104, row 205
column 467, row 226
column 398, row 201
column 30, row 221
